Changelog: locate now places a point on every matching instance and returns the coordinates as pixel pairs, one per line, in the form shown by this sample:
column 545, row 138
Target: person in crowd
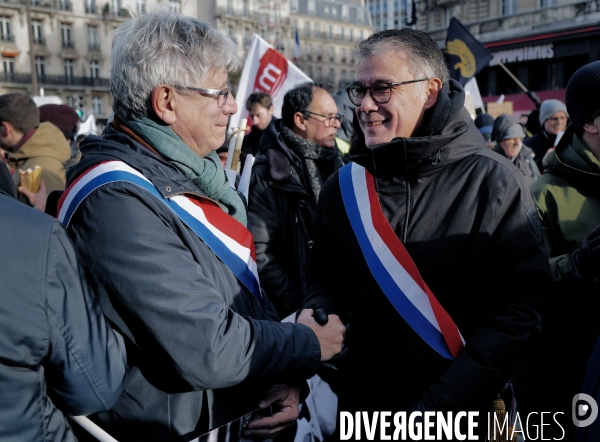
column 553, row 119
column 424, row 189
column 508, row 134
column 532, row 124
column 150, row 210
column 568, row 200
column 28, row 144
column 485, row 124
column 66, row 119
column 57, row 353
column 299, row 154
column 260, row 108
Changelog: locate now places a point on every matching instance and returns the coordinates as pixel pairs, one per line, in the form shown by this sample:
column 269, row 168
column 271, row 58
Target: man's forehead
column 323, row 101
column 257, row 108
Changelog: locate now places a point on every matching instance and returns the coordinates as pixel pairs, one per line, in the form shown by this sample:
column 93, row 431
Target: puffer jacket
column 568, row 199
column 57, row 352
column 281, row 216
column 47, row 148
column 467, row 219
column 202, row 352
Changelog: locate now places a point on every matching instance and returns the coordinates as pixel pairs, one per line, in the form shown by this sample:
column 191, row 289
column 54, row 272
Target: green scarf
column 206, row 173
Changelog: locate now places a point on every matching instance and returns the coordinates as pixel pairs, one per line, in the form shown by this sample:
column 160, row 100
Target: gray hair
column 426, row 58
column 162, row 47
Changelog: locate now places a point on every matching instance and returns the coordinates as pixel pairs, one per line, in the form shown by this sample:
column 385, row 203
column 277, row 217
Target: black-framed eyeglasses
column 328, row 122
column 222, row 95
column 381, row 91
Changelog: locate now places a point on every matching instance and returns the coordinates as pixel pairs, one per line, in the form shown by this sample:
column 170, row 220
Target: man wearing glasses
column 299, row 154
column 168, row 250
column 429, row 240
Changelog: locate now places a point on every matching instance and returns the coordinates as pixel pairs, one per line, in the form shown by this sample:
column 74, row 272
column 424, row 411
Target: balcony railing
column 90, row 9
column 55, row 80
column 68, row 44
column 39, row 40
column 94, row 46
column 4, row 37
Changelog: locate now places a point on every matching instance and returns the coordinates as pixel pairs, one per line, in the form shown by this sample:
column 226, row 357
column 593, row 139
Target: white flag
column 88, row 127
column 268, row 71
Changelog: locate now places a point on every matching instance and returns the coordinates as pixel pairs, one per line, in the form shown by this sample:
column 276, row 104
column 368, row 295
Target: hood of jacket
column 46, row 141
column 572, row 157
column 434, row 144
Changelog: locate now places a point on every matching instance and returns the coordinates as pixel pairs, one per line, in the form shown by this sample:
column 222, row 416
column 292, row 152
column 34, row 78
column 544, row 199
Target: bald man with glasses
column 298, row 155
column 428, row 244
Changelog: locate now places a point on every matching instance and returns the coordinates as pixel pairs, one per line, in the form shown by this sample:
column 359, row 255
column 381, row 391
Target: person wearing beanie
column 553, row 118
column 485, row 124
column 568, row 200
column 508, row 134
column 65, row 118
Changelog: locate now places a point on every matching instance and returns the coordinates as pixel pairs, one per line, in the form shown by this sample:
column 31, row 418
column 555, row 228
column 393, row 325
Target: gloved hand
column 585, row 261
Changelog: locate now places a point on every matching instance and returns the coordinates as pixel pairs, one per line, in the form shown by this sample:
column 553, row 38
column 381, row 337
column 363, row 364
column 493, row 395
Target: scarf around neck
column 206, row 173
column 318, row 162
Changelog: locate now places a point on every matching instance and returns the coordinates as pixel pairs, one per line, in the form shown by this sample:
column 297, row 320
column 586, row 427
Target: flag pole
column 532, row 95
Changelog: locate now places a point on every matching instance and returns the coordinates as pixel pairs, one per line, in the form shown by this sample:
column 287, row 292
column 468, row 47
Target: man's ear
column 164, row 103
column 434, row 86
column 299, row 121
column 591, row 127
column 5, row 129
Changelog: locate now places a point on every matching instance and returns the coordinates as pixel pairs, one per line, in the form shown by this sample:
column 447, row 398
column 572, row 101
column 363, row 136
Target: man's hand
column 37, row 200
column 285, row 400
column 330, row 335
column 585, row 261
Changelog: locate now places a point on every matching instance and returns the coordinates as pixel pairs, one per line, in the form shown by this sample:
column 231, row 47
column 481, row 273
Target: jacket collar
column 434, row 145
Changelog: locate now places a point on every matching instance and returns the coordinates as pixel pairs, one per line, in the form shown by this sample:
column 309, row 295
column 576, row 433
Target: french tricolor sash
column 224, row 235
column 392, row 267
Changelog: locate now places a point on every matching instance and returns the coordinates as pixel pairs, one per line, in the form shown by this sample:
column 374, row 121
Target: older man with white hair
column 165, row 240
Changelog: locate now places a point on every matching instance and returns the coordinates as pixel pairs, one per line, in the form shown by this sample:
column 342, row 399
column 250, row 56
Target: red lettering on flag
column 272, row 72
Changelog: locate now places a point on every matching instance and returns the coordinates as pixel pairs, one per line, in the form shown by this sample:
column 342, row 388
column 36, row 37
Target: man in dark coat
column 179, row 282
column 465, row 216
column 299, row 154
column 553, row 119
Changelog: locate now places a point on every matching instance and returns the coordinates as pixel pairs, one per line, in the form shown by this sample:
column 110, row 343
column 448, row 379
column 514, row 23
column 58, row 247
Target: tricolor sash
column 224, row 235
column 392, row 267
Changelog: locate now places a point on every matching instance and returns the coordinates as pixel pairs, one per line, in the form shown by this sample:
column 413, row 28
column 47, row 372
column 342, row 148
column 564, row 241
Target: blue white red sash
column 392, row 267
column 223, row 234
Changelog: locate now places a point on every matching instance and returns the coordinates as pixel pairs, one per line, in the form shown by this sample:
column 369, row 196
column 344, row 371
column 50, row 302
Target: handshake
column 328, row 328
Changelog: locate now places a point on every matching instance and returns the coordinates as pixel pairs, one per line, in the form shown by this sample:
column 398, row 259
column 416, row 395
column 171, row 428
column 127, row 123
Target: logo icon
column 467, row 64
column 580, row 410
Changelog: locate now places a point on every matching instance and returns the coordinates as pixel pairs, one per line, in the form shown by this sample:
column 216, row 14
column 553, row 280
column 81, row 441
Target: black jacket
column 193, row 331
column 540, row 143
column 281, row 216
column 467, row 219
column 524, row 161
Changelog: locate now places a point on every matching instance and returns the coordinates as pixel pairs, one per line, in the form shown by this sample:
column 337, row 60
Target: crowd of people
column 437, row 265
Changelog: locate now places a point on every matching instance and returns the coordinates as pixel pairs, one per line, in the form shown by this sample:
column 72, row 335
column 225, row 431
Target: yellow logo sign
column 467, row 64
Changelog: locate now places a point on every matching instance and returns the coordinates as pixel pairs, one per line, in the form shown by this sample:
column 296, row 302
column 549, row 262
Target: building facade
column 71, row 49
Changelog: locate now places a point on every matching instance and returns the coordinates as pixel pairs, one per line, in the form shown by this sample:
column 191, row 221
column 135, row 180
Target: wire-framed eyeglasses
column 221, row 95
column 381, row 91
column 329, row 119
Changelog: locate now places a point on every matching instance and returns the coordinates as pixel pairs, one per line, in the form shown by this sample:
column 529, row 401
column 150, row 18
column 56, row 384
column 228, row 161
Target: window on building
column 345, row 13
column 65, row 5
column 229, row 7
column 40, row 66
column 332, row 54
column 351, row 35
column 343, row 79
column 8, row 63
column 246, row 10
column 294, row 5
column 36, row 29
column 319, row 51
column 330, row 32
column 69, row 68
column 326, row 10
column 94, row 69
column 360, row 15
column 294, row 28
column 331, row 77
column 116, row 8
column 319, row 73
column 311, row 6
column 230, row 32
column 141, row 6
column 93, row 41
column 90, row 6
column 175, row 6
column 361, row 35
column 246, row 36
column 318, row 30
column 97, row 105
column 310, row 72
column 509, row 7
column 307, row 29
column 66, row 30
column 5, row 29
column 309, row 51
column 342, row 32
column 548, row 3
column 334, row 11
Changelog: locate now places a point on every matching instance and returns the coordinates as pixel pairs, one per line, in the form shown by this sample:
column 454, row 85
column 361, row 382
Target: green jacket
column 568, row 199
